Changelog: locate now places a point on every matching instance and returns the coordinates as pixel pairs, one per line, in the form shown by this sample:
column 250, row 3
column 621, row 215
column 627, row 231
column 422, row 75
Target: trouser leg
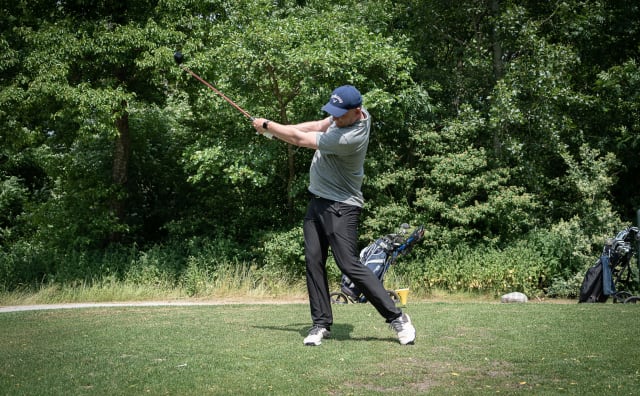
column 342, row 232
column 316, row 248
column 334, row 224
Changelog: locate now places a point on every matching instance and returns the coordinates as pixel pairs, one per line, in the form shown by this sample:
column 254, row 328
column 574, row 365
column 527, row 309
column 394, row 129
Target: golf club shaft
column 223, row 96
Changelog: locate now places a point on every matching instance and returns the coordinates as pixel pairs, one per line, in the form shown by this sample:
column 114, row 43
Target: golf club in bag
column 378, row 257
column 179, row 58
column 612, row 274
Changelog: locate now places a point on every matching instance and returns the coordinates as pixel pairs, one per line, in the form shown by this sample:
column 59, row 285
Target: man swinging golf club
column 335, row 178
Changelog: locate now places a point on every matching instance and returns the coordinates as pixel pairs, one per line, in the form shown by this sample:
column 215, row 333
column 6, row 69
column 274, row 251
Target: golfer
column 335, row 179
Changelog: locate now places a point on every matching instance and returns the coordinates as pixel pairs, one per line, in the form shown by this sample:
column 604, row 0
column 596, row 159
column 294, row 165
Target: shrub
column 565, row 288
column 24, row 263
column 197, row 276
column 151, row 268
column 283, row 252
column 484, row 270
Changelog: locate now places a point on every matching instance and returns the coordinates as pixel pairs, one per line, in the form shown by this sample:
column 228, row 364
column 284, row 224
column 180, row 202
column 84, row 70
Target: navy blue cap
column 342, row 100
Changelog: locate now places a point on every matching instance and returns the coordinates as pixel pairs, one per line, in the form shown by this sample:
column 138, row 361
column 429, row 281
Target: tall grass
column 199, row 268
column 227, row 281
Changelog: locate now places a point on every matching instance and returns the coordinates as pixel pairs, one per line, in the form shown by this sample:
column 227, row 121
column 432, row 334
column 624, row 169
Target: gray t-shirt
column 337, row 168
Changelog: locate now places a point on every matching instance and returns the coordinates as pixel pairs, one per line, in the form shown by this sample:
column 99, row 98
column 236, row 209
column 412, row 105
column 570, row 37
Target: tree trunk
column 120, row 170
column 497, row 47
column 497, row 66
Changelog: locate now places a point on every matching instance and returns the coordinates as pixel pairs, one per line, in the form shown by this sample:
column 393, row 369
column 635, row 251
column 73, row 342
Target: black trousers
column 335, row 224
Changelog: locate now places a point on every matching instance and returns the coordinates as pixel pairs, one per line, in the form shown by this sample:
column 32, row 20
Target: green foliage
column 486, row 271
column 23, row 263
column 154, row 267
column 195, row 278
column 13, row 196
column 618, row 89
column 589, row 180
column 284, row 252
column 464, row 197
column 494, row 124
column 566, row 288
column 545, row 261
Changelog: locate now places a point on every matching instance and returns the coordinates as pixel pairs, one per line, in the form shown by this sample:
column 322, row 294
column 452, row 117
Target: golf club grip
column 266, row 134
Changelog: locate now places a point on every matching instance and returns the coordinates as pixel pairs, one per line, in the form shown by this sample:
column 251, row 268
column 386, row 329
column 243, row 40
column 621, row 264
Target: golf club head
column 178, row 57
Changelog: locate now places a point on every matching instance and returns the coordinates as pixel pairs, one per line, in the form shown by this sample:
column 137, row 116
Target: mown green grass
column 462, row 348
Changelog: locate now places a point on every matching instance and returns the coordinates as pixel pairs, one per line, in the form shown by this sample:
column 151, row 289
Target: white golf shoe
column 406, row 332
column 316, row 334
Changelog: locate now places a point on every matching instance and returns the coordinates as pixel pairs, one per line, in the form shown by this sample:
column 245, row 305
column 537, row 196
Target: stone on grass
column 514, row 297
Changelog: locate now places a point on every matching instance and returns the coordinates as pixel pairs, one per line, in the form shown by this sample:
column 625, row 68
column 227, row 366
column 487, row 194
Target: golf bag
column 378, row 257
column 612, row 270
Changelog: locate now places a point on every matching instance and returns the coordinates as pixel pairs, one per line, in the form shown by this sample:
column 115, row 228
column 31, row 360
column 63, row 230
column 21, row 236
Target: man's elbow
column 307, row 140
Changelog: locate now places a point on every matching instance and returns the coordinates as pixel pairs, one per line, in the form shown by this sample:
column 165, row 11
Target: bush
column 484, row 270
column 565, row 288
column 24, row 263
column 551, row 261
column 196, row 278
column 283, row 253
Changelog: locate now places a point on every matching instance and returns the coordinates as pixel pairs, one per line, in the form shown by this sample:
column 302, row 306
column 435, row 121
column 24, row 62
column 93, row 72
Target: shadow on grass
column 339, row 332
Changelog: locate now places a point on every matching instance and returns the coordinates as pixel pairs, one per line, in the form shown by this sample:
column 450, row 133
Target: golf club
column 179, row 58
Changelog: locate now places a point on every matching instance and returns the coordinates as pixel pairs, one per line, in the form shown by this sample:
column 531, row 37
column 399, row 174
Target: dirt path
column 223, row 301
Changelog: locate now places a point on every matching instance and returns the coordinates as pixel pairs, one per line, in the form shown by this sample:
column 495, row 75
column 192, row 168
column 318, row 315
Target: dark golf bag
column 378, row 257
column 592, row 289
column 612, row 270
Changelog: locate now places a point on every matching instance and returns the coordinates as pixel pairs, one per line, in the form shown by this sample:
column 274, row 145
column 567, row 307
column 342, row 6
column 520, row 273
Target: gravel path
column 225, row 301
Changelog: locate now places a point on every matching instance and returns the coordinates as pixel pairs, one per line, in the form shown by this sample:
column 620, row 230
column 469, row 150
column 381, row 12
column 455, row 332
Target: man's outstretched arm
column 301, row 135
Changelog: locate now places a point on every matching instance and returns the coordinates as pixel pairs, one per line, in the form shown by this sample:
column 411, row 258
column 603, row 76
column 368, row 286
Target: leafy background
column 508, row 128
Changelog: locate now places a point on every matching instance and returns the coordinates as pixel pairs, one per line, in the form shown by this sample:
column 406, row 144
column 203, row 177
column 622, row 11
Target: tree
column 285, row 67
column 84, row 73
column 503, row 85
column 619, row 101
column 491, row 118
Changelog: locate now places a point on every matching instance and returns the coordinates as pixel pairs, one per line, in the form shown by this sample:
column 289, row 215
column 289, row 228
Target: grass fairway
column 462, row 348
